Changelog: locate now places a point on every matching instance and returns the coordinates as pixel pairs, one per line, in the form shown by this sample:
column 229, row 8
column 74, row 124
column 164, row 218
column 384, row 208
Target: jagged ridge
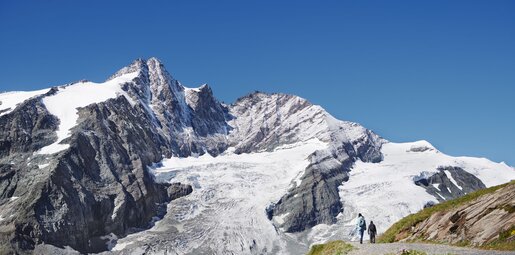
column 99, row 184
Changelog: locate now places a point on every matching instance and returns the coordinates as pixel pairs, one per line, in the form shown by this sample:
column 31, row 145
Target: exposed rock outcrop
column 316, row 199
column 100, row 185
column 265, row 121
column 27, row 128
column 450, row 183
column 479, row 221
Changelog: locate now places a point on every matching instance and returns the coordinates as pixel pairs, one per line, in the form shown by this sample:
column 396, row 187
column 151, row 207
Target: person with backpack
column 361, row 227
column 372, row 231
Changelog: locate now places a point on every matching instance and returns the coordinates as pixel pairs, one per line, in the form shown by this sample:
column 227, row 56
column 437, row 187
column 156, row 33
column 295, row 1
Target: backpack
column 362, row 223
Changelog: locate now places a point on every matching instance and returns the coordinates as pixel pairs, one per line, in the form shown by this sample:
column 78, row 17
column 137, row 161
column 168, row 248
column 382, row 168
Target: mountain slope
column 483, row 218
column 91, row 165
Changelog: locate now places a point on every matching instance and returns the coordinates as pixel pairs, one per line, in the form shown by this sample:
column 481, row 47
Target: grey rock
column 316, row 199
column 442, row 188
column 100, row 185
column 27, row 128
column 479, row 221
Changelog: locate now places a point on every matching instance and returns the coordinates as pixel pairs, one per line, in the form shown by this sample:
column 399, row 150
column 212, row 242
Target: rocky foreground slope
column 92, row 166
column 484, row 218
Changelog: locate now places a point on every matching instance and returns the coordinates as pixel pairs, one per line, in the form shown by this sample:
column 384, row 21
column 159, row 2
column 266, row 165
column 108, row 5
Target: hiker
column 361, row 227
column 372, row 232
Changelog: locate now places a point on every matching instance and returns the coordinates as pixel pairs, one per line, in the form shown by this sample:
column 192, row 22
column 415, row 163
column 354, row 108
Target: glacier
column 269, row 173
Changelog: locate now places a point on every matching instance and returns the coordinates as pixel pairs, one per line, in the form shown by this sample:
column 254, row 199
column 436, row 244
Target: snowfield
column 225, row 214
column 65, row 102
column 385, row 192
column 9, row 100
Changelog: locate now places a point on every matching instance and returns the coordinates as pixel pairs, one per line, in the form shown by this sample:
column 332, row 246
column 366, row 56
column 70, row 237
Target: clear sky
column 443, row 71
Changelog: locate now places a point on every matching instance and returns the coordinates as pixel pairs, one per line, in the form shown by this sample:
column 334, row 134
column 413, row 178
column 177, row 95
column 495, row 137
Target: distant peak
column 154, row 61
column 156, row 70
column 205, row 88
column 136, row 65
column 152, row 65
column 260, row 95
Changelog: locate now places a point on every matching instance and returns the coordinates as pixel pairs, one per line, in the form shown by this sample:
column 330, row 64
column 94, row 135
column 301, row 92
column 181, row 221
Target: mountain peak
column 278, row 147
column 136, row 65
column 154, row 61
column 146, row 66
column 157, row 69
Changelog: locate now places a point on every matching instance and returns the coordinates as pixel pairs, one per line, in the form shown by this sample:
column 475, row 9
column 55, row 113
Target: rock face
column 449, row 183
column 100, row 185
column 27, row 128
column 94, row 181
column 191, row 120
column 477, row 222
column 316, row 199
column 264, row 122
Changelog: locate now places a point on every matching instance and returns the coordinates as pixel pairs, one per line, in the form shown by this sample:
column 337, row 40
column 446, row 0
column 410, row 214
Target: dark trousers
column 373, row 238
column 361, row 232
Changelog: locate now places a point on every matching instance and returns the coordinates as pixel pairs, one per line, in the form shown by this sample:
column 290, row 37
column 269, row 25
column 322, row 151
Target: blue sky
column 443, row 71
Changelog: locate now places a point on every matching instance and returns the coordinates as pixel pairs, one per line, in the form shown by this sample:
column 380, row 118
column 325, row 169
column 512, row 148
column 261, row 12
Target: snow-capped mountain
column 94, row 166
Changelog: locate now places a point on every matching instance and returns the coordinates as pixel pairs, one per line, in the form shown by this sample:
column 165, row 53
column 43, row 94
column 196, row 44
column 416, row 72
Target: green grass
column 506, row 241
column 331, row 248
column 404, row 225
column 509, row 208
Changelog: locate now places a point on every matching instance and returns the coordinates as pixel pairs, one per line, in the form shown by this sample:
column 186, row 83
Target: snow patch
column 65, row 102
column 43, row 165
column 421, row 146
column 120, row 246
column 110, row 240
column 191, row 96
column 449, row 175
column 280, row 218
column 9, row 100
column 118, row 202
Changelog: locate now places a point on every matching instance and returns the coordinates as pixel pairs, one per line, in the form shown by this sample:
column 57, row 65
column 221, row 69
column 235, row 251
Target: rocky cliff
column 479, row 219
column 78, row 167
column 97, row 186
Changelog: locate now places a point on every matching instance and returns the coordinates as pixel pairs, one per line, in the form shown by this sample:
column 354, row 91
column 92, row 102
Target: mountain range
column 142, row 164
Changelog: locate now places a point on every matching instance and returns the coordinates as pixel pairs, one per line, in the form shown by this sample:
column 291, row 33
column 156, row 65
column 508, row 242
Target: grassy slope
column 331, row 248
column 411, row 220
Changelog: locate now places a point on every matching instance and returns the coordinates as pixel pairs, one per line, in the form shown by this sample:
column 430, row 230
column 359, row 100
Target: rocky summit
column 141, row 163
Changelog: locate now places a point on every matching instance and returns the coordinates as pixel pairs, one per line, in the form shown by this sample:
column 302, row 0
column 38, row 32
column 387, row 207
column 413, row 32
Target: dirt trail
column 384, row 248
